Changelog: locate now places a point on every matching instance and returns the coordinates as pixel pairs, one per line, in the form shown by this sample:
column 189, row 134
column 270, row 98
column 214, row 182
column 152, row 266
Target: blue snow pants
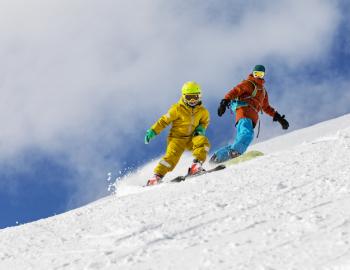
column 244, row 136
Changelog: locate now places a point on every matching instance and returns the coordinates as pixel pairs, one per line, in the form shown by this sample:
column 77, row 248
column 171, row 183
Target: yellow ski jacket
column 184, row 120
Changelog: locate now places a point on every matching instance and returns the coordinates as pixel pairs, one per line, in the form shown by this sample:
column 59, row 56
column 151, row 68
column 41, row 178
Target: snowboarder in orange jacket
column 246, row 99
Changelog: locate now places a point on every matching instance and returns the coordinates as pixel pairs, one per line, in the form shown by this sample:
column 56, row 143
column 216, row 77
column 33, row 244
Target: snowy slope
column 289, row 209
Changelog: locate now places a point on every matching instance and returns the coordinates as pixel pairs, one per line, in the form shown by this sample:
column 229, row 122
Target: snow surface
column 289, row 209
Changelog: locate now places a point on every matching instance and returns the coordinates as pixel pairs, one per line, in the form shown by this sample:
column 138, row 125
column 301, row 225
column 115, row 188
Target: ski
column 184, row 177
column 245, row 157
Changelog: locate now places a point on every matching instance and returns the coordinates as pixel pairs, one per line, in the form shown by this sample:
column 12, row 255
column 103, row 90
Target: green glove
column 200, row 130
column 150, row 134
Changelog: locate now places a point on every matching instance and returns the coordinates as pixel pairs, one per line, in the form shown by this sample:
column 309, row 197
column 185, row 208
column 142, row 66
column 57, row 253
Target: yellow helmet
column 191, row 88
column 191, row 93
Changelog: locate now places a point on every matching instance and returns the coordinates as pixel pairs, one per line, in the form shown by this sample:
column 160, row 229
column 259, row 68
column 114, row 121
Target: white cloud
column 78, row 77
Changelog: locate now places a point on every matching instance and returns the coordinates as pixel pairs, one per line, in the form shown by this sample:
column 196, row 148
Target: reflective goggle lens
column 192, row 97
column 259, row 74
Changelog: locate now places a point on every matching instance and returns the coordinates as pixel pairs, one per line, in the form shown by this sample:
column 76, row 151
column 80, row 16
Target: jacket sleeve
column 242, row 88
column 204, row 122
column 267, row 108
column 165, row 120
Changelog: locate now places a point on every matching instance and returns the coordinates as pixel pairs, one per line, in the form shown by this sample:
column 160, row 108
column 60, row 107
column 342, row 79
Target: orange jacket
column 244, row 92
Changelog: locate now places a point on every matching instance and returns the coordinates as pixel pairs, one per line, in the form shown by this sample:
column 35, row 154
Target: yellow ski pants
column 199, row 145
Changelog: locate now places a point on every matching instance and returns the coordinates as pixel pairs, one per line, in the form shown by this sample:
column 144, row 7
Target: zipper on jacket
column 191, row 124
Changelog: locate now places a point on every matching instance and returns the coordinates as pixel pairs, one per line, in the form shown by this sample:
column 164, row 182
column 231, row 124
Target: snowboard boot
column 223, row 157
column 154, row 180
column 213, row 159
column 234, row 154
column 196, row 168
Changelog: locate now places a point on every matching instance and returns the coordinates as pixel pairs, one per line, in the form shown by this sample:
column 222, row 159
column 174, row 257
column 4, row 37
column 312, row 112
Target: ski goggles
column 192, row 97
column 258, row 74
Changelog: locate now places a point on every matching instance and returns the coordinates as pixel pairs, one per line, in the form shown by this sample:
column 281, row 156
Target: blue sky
column 81, row 82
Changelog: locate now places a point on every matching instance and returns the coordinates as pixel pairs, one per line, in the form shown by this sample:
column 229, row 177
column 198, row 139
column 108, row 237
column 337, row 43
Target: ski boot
column 196, row 168
column 155, row 180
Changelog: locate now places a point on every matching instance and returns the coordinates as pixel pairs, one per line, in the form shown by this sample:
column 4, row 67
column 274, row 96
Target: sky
column 81, row 82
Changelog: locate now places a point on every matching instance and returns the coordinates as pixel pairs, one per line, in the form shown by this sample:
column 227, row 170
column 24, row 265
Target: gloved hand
column 225, row 103
column 200, row 130
column 284, row 123
column 150, row 134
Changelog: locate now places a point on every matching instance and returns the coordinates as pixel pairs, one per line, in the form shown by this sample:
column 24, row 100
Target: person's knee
column 171, row 157
column 167, row 164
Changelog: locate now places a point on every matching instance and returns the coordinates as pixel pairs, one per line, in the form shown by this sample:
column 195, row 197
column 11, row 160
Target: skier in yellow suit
column 189, row 119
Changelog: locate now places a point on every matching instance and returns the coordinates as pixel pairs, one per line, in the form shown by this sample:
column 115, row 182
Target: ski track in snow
column 289, row 209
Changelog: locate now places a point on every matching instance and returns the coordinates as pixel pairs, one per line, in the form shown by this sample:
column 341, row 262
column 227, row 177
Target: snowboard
column 184, row 177
column 245, row 157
